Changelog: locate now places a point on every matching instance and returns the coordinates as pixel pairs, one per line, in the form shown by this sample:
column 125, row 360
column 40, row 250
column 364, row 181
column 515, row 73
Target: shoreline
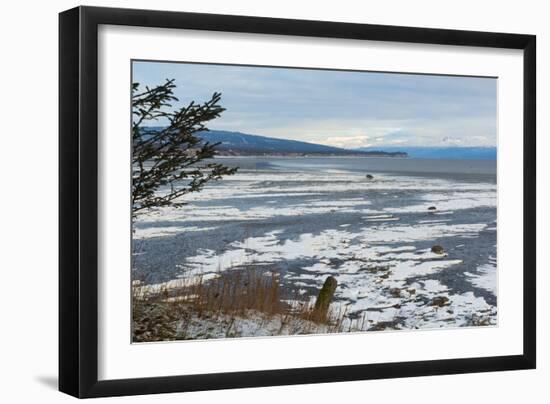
column 306, row 224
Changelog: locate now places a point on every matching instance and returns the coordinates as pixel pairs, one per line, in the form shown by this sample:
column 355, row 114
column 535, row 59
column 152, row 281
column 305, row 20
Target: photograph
column 273, row 201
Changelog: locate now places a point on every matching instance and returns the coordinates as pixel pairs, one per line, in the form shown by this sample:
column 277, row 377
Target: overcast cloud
column 339, row 108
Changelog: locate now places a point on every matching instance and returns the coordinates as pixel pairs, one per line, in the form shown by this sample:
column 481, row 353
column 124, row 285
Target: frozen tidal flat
column 373, row 236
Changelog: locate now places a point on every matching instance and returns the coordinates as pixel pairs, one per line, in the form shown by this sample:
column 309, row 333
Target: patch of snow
column 150, row 232
column 486, row 278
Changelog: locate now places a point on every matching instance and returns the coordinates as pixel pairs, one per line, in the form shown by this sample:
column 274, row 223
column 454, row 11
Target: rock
column 432, row 208
column 440, row 301
column 395, row 292
column 376, row 268
column 369, row 177
column 437, row 249
column 384, row 325
column 480, row 320
column 411, row 291
column 322, row 303
column 378, row 327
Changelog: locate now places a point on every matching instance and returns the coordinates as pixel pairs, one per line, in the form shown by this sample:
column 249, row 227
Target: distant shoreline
column 335, row 156
column 224, row 154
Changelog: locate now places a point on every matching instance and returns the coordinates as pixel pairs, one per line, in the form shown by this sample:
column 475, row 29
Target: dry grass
column 232, row 294
column 235, row 292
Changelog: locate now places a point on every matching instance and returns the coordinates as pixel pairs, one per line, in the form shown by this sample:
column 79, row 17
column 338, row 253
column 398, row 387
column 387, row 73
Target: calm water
column 484, row 169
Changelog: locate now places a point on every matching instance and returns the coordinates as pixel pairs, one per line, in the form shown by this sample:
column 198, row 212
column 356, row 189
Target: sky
column 338, row 108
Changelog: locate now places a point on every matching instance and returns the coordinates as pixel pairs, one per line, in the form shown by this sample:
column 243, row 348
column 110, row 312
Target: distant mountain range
column 238, row 144
column 466, row 153
column 243, row 144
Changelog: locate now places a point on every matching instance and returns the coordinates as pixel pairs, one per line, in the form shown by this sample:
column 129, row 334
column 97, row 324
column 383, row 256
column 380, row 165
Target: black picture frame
column 78, row 200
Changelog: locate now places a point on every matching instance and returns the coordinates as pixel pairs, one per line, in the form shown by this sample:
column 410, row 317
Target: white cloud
column 451, row 141
column 348, row 142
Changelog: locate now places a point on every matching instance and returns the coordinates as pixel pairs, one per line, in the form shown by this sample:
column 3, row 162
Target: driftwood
column 322, row 303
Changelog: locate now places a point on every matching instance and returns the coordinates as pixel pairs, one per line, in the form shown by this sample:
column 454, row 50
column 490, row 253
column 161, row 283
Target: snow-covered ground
column 373, row 236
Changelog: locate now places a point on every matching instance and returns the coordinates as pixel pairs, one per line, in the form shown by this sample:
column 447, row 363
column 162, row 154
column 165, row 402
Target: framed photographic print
column 251, row 201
